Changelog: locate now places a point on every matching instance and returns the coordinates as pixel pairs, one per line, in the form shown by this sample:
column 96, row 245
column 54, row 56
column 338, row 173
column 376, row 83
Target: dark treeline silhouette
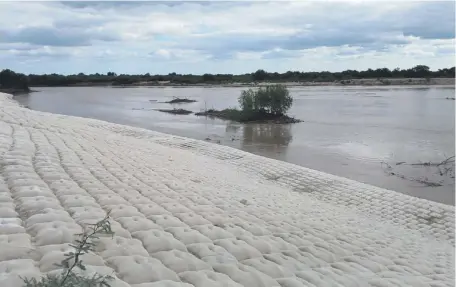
column 111, row 78
column 13, row 82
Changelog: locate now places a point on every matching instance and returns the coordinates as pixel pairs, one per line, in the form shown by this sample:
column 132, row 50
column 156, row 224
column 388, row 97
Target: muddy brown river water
column 347, row 131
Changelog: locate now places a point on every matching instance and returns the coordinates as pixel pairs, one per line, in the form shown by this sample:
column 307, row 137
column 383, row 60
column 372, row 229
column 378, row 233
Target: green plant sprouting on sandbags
column 68, row 277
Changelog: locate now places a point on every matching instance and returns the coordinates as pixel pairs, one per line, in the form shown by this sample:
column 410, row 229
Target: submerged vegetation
column 242, row 117
column 442, row 171
column 111, row 78
column 180, row 101
column 266, row 104
column 175, row 111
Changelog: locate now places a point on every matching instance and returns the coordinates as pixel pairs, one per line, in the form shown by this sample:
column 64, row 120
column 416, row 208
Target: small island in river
column 264, row 105
column 175, row 111
column 242, row 117
column 180, row 101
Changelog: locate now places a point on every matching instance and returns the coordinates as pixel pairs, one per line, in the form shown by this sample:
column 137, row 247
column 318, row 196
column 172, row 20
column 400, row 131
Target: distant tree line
column 8, row 77
column 420, row 71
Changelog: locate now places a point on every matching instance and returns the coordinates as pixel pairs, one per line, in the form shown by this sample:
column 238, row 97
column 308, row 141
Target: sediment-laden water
column 346, row 131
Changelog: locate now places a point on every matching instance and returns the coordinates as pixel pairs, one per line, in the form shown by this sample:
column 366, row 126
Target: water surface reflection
column 275, row 138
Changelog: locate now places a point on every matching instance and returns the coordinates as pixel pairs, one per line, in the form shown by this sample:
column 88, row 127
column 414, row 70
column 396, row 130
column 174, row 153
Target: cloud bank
column 224, row 37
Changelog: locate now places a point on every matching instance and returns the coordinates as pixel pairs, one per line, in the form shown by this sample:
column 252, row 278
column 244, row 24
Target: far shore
column 343, row 83
column 352, row 82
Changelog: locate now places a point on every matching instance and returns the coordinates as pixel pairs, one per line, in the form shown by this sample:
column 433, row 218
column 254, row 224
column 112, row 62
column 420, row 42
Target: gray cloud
column 430, row 20
column 425, row 19
column 101, row 4
column 122, row 4
column 223, row 45
column 126, row 4
column 17, row 47
column 44, row 36
column 50, row 36
column 225, row 31
column 279, row 54
column 341, row 26
column 34, row 54
column 81, row 23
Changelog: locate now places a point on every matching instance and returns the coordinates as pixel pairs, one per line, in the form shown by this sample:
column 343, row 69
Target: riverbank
column 14, row 91
column 193, row 210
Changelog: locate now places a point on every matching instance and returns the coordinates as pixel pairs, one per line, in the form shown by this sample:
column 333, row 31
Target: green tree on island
column 274, row 99
column 266, row 104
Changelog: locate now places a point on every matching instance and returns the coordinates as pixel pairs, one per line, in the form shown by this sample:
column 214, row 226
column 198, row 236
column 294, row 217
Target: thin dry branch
column 444, row 168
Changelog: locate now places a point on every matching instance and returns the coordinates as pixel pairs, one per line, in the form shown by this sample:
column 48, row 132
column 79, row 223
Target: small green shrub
column 68, row 278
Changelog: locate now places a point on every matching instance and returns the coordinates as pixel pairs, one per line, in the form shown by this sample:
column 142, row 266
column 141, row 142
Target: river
column 347, row 131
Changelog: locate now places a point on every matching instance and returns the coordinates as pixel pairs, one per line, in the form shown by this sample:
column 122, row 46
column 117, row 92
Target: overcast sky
column 224, row 37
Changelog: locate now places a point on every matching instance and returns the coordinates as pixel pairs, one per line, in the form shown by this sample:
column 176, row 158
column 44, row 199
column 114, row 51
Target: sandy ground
column 190, row 213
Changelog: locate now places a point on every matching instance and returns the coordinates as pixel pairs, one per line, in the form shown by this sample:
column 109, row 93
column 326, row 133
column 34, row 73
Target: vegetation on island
column 13, row 83
column 111, row 78
column 72, row 273
column 180, row 101
column 175, row 111
column 266, row 104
